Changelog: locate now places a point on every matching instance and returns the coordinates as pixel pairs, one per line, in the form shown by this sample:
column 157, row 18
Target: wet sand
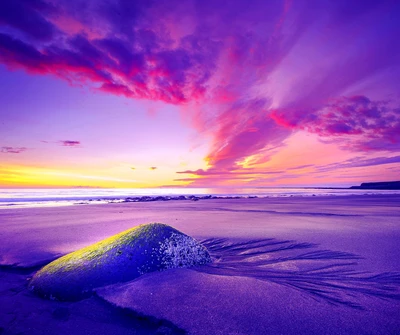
column 281, row 265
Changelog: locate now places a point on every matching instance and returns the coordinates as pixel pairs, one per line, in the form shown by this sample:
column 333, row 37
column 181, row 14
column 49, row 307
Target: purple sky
column 141, row 93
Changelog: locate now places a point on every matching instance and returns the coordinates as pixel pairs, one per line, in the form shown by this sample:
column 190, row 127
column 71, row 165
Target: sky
column 199, row 93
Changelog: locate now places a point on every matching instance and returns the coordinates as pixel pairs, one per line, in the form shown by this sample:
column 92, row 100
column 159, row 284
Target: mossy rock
column 120, row 258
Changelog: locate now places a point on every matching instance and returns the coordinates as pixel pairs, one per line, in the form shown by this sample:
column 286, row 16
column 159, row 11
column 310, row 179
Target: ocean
column 21, row 198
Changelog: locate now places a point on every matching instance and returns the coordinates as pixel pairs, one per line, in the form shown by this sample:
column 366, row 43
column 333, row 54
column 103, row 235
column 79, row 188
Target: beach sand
column 289, row 265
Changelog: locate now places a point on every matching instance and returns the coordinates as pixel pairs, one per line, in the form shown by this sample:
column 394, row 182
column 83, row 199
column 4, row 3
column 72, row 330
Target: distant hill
column 384, row 185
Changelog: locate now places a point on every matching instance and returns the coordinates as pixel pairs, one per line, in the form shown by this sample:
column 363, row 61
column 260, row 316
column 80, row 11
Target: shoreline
column 163, row 198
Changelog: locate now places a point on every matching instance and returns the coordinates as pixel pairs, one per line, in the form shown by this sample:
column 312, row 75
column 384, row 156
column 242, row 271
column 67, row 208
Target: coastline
column 9, row 199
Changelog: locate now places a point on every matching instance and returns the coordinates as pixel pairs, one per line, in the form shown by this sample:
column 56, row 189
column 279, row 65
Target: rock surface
column 120, row 258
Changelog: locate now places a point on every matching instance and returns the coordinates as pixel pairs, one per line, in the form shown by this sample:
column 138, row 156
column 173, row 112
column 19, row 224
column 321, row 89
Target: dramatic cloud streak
column 360, row 162
column 213, row 172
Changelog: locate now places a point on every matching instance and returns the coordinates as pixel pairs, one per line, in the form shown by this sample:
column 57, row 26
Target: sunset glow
column 130, row 94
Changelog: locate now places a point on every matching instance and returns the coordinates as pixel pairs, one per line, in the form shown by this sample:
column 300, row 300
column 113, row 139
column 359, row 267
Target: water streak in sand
column 324, row 274
column 279, row 212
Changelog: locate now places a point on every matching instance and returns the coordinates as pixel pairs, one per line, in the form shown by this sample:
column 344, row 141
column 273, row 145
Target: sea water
column 39, row 197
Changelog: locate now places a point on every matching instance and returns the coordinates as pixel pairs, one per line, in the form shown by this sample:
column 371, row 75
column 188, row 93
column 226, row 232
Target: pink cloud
column 69, row 143
column 356, row 122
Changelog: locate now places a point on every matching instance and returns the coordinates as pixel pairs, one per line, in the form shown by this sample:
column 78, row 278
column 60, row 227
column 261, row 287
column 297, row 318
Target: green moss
column 78, row 258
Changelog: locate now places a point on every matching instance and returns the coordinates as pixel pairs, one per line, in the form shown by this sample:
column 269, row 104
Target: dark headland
column 384, row 185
